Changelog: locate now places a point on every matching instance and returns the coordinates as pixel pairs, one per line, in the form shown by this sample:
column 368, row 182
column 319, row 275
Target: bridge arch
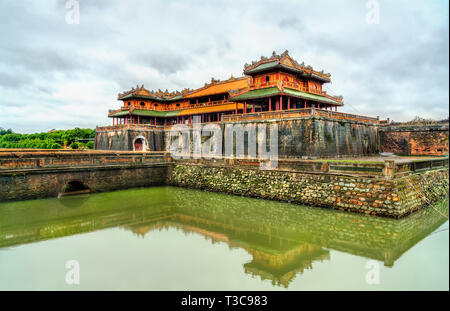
column 74, row 186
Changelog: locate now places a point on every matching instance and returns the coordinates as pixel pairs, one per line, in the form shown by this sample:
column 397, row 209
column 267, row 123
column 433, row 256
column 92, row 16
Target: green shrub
column 74, row 145
column 90, row 145
column 4, row 131
column 9, row 139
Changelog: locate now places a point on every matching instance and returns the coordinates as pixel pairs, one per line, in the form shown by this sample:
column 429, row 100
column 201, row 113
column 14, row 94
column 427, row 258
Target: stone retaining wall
column 110, row 138
column 375, row 196
column 49, row 183
column 26, row 174
column 297, row 137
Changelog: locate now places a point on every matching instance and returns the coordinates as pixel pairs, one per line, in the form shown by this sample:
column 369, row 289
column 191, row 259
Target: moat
column 167, row 238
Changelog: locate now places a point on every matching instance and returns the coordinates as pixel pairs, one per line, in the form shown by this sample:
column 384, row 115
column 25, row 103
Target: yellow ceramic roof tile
column 221, row 87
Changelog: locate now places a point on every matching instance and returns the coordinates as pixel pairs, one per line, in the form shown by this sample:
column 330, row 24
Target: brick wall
column 415, row 140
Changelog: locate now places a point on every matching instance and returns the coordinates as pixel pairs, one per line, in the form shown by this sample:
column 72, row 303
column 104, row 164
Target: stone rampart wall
column 375, row 196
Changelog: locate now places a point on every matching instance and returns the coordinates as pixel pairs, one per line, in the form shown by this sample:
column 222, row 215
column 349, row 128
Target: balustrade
column 296, row 113
column 295, row 86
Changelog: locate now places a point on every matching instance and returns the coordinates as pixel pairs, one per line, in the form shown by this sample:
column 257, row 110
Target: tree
column 4, row 132
column 90, row 145
column 45, row 140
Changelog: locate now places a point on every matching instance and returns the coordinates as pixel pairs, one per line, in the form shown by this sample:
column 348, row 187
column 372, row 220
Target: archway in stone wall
column 140, row 144
column 74, row 194
column 73, row 187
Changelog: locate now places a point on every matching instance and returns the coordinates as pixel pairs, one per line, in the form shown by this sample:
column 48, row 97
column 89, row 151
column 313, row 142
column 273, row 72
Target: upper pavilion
column 275, row 83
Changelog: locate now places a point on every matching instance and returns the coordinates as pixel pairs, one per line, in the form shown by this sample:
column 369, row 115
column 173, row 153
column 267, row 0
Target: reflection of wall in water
column 378, row 238
column 283, row 239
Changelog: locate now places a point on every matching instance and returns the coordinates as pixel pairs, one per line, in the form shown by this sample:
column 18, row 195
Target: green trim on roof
column 275, row 64
column 147, row 113
column 293, row 69
column 263, row 67
column 120, row 113
column 175, row 98
column 271, row 91
column 318, row 98
column 155, row 113
column 130, row 96
column 313, row 75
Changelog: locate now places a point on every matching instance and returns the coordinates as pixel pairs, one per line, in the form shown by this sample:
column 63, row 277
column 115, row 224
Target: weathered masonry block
column 316, row 136
column 415, row 140
column 123, row 138
column 384, row 188
column 395, row 197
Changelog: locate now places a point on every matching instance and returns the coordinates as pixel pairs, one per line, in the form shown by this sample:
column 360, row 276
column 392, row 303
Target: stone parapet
column 374, row 196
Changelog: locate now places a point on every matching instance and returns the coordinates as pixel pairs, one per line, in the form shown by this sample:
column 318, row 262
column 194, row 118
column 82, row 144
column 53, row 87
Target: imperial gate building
column 276, row 88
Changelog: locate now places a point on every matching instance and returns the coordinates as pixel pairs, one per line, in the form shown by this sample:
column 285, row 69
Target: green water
column 167, row 238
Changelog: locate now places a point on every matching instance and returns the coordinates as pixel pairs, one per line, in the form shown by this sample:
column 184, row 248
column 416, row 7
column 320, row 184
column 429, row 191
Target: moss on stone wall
column 375, row 196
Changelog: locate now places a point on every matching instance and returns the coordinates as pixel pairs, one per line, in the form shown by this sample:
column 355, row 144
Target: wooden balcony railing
column 171, row 107
column 295, row 86
column 208, row 104
column 297, row 113
column 261, row 85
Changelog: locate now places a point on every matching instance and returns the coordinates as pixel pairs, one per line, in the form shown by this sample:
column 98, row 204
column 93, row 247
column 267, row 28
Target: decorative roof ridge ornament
column 263, row 60
column 292, row 63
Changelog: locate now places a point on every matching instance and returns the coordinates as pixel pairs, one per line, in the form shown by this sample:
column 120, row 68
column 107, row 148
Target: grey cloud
column 165, row 62
column 396, row 69
column 9, row 80
column 292, row 22
column 41, row 60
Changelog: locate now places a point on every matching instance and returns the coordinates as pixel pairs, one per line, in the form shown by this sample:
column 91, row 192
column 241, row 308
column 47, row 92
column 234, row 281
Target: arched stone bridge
column 30, row 174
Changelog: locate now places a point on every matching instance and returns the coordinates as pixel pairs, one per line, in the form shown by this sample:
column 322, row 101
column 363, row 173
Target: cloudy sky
column 54, row 74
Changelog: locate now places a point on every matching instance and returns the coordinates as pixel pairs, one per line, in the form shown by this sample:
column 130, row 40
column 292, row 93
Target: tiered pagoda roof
column 142, row 92
column 213, row 88
column 272, row 91
column 237, row 92
column 286, row 62
column 220, row 87
column 238, row 88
